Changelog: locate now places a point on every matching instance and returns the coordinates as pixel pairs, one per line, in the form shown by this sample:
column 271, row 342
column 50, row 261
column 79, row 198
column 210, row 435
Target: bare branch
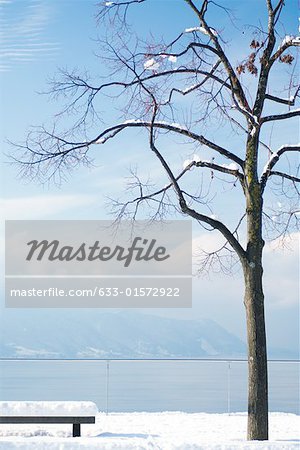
column 273, row 161
column 112, row 131
column 224, row 169
column 284, row 175
column 55, row 147
column 265, row 60
column 115, row 7
column 215, row 224
column 287, row 115
column 291, row 101
column 237, row 89
column 289, row 41
column 203, row 73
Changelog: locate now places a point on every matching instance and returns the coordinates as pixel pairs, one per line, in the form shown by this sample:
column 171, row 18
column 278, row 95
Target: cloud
column 23, row 33
column 209, row 242
column 281, row 270
column 281, row 263
column 38, row 207
column 41, row 206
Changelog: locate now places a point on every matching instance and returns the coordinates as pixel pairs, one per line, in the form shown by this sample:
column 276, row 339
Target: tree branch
column 273, row 161
column 291, row 101
column 291, row 42
column 284, row 175
column 265, row 60
column 287, row 115
column 112, row 131
column 236, row 86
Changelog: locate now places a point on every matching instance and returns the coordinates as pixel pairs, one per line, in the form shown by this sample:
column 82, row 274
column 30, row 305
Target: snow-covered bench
column 22, row 412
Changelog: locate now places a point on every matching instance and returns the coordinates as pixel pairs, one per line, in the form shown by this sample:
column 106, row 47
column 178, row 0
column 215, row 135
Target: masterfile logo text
column 140, row 249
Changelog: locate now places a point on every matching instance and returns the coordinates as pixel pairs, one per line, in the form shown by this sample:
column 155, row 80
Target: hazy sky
column 38, row 37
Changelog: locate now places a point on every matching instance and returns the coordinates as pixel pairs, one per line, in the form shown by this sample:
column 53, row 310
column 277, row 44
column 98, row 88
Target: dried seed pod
column 240, row 69
column 252, row 57
column 287, row 59
column 254, row 44
column 251, row 68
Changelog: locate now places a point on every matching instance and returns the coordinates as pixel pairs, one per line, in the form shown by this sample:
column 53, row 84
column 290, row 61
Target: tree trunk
column 257, row 355
column 256, row 332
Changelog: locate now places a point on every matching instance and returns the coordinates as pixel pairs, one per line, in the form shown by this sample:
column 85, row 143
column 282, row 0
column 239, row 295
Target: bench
column 31, row 412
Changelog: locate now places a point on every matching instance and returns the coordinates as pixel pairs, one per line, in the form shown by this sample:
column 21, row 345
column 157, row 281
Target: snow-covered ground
column 155, row 431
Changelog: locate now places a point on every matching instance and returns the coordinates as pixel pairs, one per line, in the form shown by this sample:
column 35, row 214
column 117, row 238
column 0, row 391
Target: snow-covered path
column 155, row 431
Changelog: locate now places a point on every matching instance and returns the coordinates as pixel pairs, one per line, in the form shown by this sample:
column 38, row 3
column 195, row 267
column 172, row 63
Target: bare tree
column 149, row 79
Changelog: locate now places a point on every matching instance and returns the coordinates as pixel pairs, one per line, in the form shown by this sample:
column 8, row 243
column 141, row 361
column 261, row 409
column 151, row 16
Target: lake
column 148, row 385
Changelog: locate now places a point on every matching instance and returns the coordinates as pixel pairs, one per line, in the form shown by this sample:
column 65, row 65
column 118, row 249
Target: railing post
column 107, row 385
column 228, row 387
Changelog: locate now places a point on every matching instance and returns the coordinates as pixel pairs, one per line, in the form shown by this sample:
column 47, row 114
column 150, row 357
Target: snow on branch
column 121, row 3
column 271, row 163
column 201, row 30
column 173, row 127
column 267, row 170
column 251, row 117
column 230, row 169
column 59, row 150
column 286, row 101
column 296, row 41
column 288, row 41
column 151, row 64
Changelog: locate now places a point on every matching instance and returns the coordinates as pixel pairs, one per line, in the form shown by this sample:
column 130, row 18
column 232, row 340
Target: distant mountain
column 97, row 334
column 82, row 334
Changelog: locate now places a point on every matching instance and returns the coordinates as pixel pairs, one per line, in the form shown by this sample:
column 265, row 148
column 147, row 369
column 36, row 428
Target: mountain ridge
column 114, row 335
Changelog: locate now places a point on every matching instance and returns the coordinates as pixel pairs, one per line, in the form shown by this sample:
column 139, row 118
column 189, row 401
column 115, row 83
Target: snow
column 231, row 166
column 213, row 31
column 186, row 163
column 202, row 30
column 172, row 59
column 266, row 168
column 109, row 3
column 100, row 141
column 196, row 158
column 151, row 64
column 132, row 121
column 177, row 125
column 251, row 116
column 173, row 125
column 191, row 30
column 287, row 39
column 296, row 40
column 40, row 408
column 190, row 88
column 155, row 431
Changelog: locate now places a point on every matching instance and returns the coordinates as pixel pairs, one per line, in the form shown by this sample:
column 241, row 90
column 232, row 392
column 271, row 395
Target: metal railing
column 125, row 385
